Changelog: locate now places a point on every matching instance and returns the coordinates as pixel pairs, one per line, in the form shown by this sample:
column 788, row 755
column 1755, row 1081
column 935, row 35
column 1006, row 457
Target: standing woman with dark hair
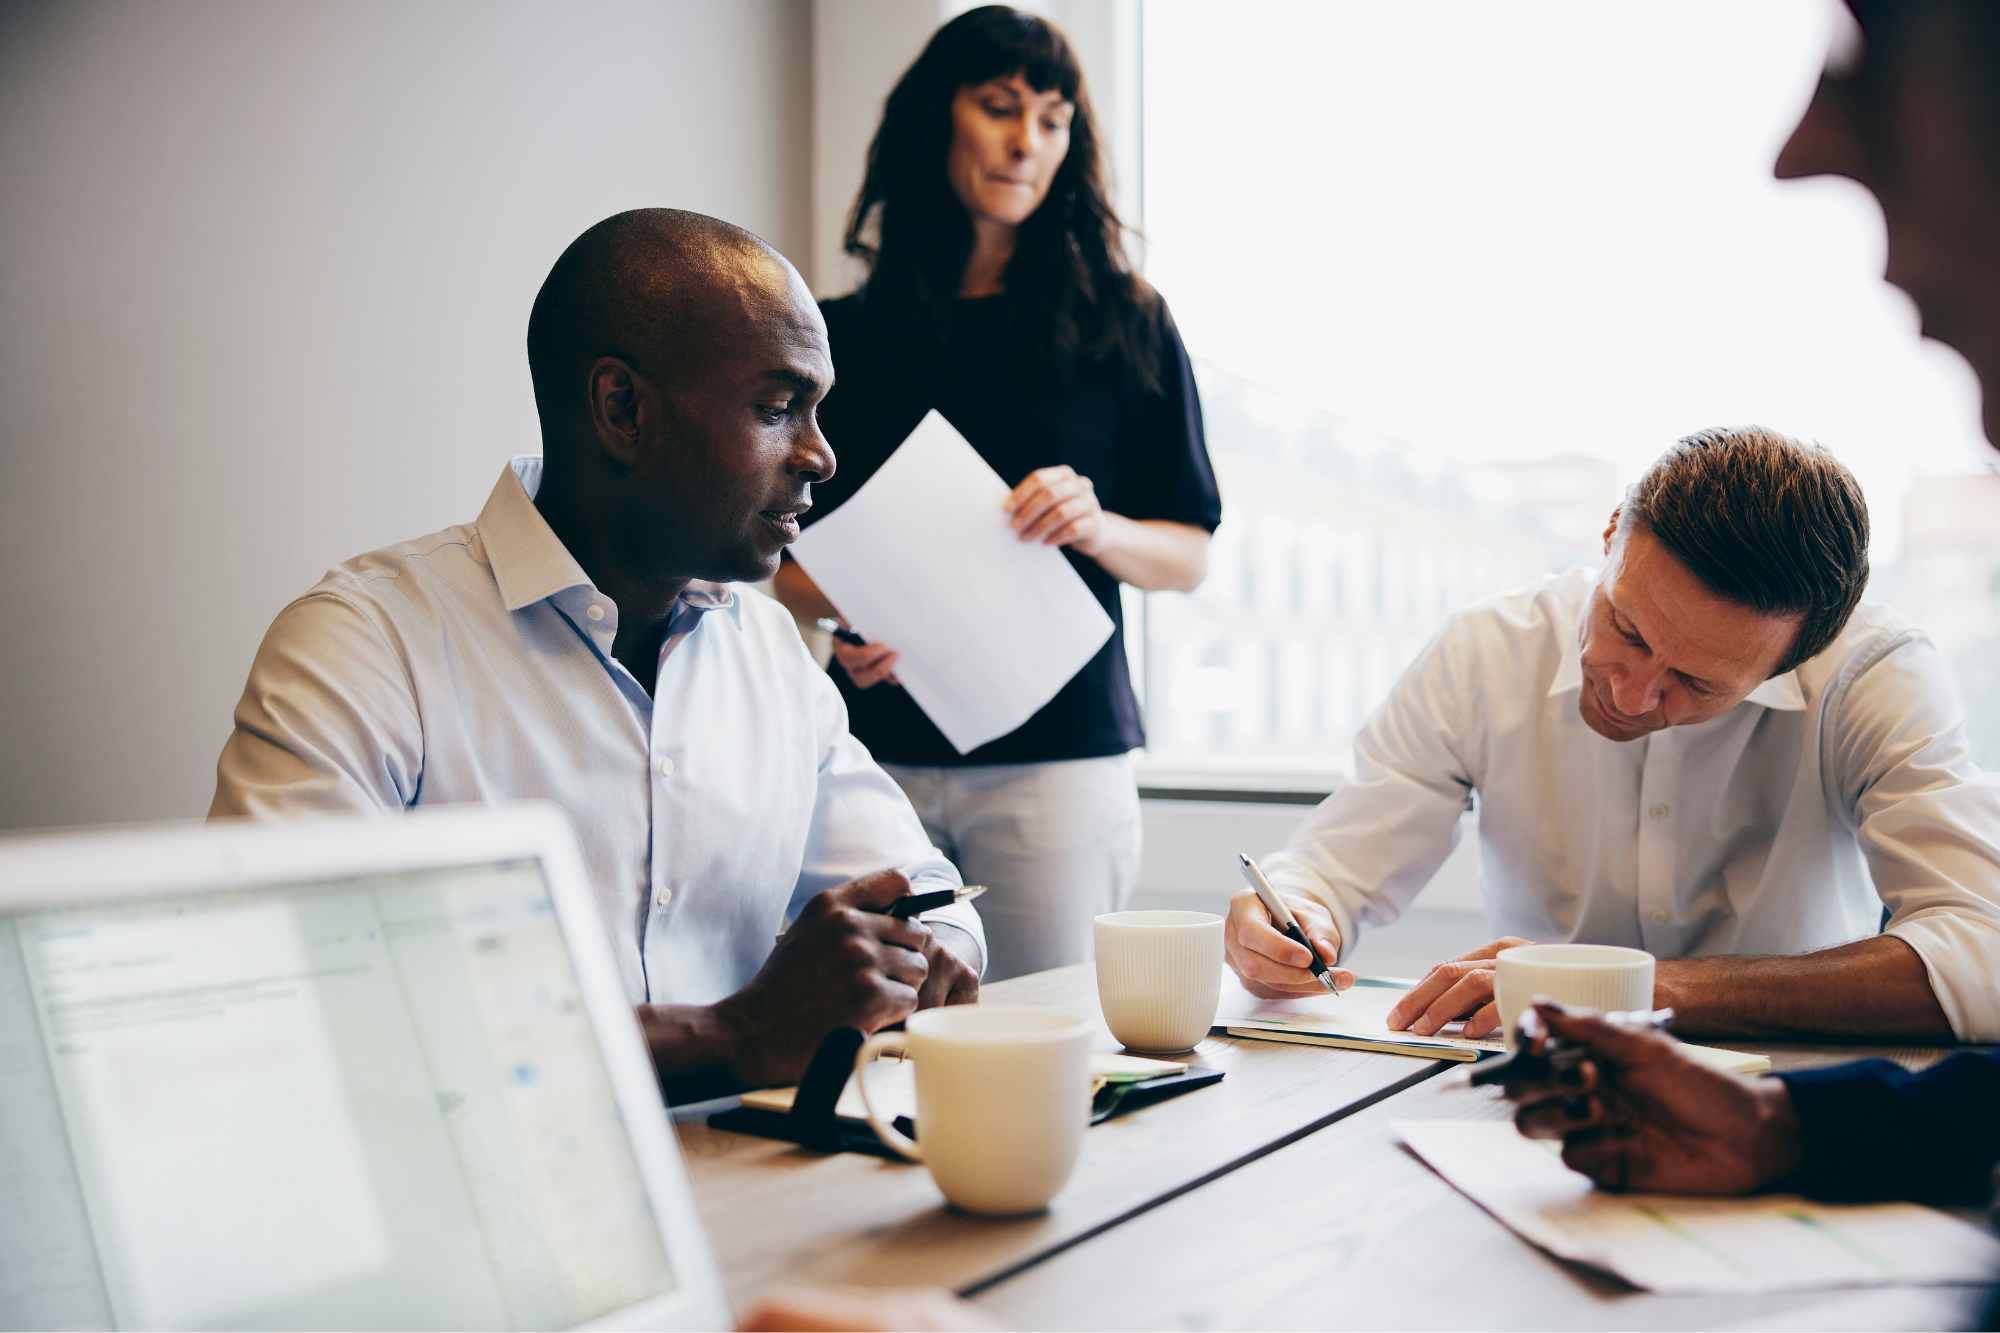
column 999, row 294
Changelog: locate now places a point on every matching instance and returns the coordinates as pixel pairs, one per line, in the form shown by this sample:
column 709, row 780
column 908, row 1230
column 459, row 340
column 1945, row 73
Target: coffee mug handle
column 883, row 1043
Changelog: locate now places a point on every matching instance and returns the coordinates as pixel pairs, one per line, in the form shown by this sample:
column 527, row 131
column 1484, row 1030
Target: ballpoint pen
column 1282, row 917
column 1557, row 1054
column 841, row 632
column 910, row 904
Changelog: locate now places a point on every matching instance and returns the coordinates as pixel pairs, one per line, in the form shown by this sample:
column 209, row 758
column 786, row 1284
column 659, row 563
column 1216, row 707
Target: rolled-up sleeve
column 1928, row 820
column 862, row 822
column 328, row 720
column 1371, row 847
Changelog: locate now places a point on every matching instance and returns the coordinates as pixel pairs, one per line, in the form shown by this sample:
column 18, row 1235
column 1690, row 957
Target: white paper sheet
column 922, row 558
column 1362, row 1011
column 1682, row 1243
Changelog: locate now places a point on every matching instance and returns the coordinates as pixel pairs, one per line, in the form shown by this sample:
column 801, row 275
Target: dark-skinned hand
column 1642, row 1114
column 951, row 955
column 840, row 965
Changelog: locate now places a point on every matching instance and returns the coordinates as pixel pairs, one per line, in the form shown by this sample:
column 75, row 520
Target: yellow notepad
column 1355, row 1020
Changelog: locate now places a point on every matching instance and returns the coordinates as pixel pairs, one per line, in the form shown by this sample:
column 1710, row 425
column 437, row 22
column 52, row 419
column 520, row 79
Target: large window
column 1453, row 274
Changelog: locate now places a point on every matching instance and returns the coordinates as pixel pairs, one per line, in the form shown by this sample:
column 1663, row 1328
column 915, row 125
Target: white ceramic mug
column 1596, row 976
column 1159, row 977
column 1003, row 1098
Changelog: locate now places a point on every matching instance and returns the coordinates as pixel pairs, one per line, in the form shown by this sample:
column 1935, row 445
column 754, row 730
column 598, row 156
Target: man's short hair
column 626, row 288
column 1763, row 521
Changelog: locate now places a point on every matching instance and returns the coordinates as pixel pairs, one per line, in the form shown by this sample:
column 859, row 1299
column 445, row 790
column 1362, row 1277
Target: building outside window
column 1453, row 275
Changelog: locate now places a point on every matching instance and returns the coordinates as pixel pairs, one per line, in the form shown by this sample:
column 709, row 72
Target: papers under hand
column 1356, row 1021
column 922, row 558
column 1684, row 1243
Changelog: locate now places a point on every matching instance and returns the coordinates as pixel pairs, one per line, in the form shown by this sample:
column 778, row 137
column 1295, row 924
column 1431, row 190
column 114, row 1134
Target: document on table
column 922, row 558
column 1686, row 1244
column 1356, row 1020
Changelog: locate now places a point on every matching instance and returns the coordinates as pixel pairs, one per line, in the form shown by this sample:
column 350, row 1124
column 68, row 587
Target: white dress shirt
column 475, row 665
column 1782, row 826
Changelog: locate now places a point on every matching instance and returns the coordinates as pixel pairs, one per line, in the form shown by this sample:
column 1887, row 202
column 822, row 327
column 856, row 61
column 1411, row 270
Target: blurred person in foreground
column 1911, row 110
column 1000, row 295
column 577, row 643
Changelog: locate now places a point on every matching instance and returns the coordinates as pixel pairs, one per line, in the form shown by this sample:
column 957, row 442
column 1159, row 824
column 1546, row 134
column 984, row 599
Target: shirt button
column 666, row 768
column 1660, row 811
column 663, row 897
column 595, row 612
column 1658, row 915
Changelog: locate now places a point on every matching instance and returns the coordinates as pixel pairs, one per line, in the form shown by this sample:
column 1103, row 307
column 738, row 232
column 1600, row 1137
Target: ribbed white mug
column 1159, row 977
column 1596, row 976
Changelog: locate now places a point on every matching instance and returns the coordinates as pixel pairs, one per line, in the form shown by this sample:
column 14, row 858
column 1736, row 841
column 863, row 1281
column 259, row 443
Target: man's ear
column 620, row 408
column 1611, row 528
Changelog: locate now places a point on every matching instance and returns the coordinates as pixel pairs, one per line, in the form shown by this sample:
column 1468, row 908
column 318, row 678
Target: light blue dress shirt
column 475, row 665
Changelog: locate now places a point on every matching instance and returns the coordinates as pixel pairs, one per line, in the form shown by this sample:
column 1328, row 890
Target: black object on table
column 812, row 1123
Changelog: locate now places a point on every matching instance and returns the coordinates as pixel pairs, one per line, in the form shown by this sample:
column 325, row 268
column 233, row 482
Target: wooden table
column 1279, row 1198
column 781, row 1212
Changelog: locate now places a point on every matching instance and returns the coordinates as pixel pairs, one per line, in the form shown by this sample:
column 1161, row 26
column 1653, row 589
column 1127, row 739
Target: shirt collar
column 531, row 564
column 1781, row 693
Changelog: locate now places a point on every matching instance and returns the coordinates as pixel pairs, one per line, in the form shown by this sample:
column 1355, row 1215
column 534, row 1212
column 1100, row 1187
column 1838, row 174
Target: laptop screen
column 377, row 1102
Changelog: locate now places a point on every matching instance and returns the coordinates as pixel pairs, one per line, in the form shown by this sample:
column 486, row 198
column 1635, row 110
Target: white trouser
column 1055, row 844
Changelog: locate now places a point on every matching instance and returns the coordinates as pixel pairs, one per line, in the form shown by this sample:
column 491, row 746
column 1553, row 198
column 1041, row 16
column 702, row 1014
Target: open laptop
column 330, row 1073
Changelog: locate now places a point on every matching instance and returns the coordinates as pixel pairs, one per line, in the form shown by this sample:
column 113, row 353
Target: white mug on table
column 1605, row 977
column 1003, row 1098
column 1159, row 977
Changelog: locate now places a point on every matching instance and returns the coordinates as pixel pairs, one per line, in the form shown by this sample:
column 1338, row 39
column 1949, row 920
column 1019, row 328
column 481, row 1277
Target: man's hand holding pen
column 1271, row 965
column 1635, row 1112
column 846, row 962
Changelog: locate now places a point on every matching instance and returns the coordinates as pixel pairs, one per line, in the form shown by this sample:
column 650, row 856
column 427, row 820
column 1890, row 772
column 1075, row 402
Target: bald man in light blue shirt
column 577, row 643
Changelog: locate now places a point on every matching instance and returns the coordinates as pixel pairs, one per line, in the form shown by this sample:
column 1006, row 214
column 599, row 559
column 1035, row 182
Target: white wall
column 265, row 271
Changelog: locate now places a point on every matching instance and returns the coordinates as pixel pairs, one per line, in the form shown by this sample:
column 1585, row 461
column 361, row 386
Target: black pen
column 1521, row 1064
column 841, row 632
column 910, row 904
column 1282, row 917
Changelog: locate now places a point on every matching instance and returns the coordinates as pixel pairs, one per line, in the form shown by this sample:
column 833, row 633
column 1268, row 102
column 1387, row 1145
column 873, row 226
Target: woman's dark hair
column 1071, row 294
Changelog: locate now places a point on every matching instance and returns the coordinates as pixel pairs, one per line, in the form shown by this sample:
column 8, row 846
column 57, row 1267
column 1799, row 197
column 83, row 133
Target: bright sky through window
column 1505, row 231
column 1453, row 274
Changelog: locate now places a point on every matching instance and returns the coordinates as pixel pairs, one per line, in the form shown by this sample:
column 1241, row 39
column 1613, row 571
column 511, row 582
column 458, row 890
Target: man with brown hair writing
column 1912, row 113
column 1711, row 749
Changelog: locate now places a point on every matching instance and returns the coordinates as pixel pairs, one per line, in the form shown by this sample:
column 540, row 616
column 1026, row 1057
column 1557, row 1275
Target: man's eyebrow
column 1619, row 623
column 799, row 380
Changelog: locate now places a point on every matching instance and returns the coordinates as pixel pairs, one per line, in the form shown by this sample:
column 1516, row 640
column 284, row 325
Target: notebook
column 1695, row 1244
column 1357, row 1020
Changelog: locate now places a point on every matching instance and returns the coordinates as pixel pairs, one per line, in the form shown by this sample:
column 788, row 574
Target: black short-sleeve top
column 1141, row 447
